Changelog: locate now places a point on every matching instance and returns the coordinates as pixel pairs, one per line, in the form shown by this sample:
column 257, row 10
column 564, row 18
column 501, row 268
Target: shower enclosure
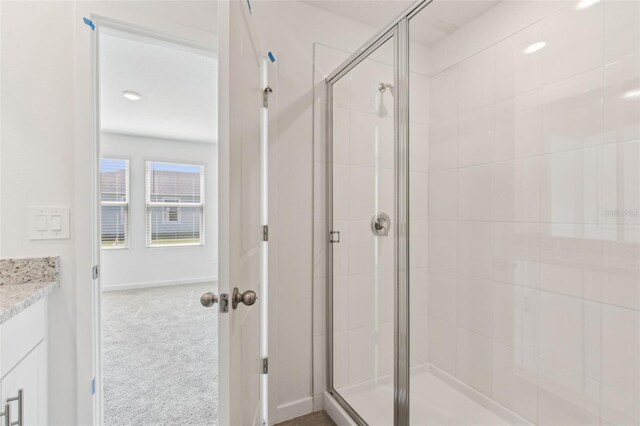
column 483, row 212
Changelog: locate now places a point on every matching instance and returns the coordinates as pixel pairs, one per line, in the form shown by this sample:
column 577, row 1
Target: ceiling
column 435, row 22
column 177, row 84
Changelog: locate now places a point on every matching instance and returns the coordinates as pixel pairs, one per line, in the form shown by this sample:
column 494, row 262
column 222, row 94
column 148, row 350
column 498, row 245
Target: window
column 171, row 214
column 114, row 198
column 175, row 204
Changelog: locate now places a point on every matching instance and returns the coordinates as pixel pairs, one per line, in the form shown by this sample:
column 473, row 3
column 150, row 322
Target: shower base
column 436, row 399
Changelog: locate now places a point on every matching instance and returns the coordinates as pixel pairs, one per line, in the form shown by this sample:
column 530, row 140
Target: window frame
column 127, row 204
column 148, row 203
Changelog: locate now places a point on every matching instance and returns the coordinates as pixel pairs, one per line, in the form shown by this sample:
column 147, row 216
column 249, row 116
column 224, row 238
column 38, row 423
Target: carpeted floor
column 160, row 357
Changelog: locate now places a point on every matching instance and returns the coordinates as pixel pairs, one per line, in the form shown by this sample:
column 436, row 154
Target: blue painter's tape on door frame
column 271, row 57
column 90, row 23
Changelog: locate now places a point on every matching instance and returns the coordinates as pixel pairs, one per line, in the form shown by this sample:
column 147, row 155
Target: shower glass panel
column 363, row 232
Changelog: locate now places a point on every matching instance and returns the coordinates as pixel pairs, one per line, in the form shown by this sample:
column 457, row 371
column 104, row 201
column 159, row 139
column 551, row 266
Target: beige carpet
column 160, row 357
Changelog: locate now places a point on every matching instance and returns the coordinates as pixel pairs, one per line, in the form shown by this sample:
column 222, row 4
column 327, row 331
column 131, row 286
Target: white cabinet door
column 30, row 375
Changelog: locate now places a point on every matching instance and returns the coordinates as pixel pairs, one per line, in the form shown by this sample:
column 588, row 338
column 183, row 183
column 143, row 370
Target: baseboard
column 318, row 401
column 294, row 409
column 133, row 286
column 336, row 412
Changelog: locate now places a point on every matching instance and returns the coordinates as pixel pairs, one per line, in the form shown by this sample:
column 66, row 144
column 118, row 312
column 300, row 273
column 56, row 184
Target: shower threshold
column 436, row 399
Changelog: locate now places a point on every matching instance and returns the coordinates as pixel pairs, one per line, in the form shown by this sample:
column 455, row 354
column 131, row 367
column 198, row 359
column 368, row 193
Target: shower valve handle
column 380, row 224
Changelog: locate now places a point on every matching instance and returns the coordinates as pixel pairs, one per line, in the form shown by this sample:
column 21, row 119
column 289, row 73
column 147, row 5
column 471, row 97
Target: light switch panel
column 48, row 223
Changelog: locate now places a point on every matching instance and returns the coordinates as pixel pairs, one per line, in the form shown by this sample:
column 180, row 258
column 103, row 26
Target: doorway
column 159, row 227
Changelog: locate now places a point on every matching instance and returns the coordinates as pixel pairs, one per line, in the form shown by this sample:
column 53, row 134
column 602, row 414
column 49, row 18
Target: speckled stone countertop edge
column 15, row 298
column 22, row 270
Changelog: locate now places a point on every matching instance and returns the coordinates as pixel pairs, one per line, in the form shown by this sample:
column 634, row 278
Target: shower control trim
column 380, row 224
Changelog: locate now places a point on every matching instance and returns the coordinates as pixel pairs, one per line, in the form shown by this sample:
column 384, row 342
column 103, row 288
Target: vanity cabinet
column 23, row 365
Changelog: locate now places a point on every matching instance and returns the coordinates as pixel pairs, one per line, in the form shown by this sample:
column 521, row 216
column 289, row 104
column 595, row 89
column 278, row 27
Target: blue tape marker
column 249, row 4
column 90, row 23
column 271, row 57
column 93, row 382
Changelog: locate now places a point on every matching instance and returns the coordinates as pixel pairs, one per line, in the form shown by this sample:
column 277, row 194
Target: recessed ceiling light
column 131, row 95
column 632, row 94
column 534, row 47
column 583, row 4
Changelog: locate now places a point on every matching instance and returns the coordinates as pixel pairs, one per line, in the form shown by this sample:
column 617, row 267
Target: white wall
column 139, row 265
column 37, row 164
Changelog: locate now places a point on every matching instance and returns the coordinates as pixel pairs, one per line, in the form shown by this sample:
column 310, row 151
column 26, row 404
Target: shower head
column 382, row 87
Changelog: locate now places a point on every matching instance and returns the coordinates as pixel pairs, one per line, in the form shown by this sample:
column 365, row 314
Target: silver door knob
column 248, row 298
column 208, row 299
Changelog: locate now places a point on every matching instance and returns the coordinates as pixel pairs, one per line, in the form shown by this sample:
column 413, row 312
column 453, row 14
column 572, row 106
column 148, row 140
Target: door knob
column 208, row 299
column 248, row 297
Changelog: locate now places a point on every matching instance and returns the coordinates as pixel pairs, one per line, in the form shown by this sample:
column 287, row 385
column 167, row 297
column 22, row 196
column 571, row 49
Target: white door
column 242, row 215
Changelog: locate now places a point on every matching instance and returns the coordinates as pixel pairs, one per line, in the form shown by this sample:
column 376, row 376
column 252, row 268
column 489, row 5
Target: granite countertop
column 25, row 281
column 15, row 298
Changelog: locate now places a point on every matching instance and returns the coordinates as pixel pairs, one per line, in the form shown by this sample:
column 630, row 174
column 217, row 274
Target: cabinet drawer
column 22, row 333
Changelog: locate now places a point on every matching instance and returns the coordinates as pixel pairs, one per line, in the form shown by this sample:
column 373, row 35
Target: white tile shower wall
column 534, row 243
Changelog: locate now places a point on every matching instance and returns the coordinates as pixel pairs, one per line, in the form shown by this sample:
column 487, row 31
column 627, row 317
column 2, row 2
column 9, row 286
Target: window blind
column 174, row 203
column 114, row 198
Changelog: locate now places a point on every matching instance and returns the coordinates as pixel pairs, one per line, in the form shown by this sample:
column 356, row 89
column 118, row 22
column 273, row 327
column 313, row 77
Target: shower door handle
column 20, row 400
column 6, row 414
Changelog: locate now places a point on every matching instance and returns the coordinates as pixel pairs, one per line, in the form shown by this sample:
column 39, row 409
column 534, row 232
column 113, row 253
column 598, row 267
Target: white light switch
column 41, row 223
column 56, row 222
column 48, row 223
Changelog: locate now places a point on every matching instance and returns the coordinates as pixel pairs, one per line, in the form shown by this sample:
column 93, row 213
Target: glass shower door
column 362, row 200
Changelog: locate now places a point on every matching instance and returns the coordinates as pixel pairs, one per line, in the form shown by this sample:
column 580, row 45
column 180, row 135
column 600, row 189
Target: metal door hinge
column 265, row 96
column 95, row 272
column 334, row 236
column 265, row 232
column 265, row 365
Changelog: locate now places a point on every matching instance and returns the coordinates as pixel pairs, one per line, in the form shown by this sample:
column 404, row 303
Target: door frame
column 101, row 21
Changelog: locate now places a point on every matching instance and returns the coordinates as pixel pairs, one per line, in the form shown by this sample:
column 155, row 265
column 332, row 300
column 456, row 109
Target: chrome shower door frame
column 362, row 54
column 399, row 31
